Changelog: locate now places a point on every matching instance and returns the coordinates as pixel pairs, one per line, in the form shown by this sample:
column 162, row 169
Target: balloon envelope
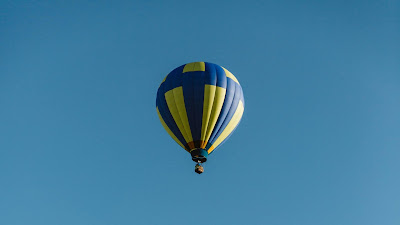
column 200, row 104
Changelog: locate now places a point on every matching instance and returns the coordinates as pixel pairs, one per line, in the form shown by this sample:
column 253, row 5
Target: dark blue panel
column 193, row 92
column 198, row 106
column 174, row 79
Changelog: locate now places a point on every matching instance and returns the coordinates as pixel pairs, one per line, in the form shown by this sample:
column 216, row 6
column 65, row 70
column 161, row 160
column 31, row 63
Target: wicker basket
column 199, row 169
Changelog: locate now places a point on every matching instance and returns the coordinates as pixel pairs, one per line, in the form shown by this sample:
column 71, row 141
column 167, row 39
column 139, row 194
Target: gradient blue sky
column 81, row 143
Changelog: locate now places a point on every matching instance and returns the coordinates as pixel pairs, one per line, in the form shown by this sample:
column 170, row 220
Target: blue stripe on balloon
column 223, row 121
column 221, row 76
column 210, row 74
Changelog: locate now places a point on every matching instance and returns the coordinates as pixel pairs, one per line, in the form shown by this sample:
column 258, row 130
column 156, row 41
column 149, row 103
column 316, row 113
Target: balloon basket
column 198, row 169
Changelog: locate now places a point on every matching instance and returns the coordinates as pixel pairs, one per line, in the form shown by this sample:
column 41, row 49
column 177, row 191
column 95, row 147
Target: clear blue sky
column 81, row 143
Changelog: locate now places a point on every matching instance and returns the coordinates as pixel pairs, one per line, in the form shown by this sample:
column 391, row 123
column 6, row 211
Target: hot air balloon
column 200, row 104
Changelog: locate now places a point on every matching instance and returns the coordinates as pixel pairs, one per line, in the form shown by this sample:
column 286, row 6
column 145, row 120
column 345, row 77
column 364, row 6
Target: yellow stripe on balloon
column 209, row 93
column 176, row 106
column 194, row 66
column 229, row 128
column 218, row 95
column 169, row 130
column 230, row 75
